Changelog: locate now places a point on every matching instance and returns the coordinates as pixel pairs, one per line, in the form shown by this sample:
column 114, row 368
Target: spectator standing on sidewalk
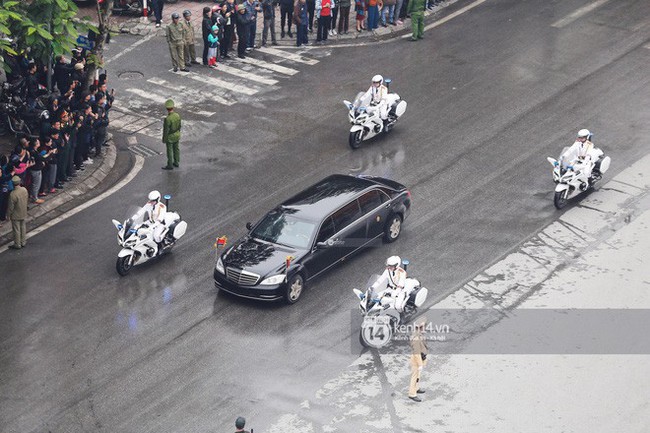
column 388, row 13
column 17, row 211
column 242, row 30
column 100, row 125
column 157, row 7
column 252, row 8
column 419, row 352
column 373, row 14
column 228, row 28
column 36, row 170
column 175, row 34
column 213, row 40
column 286, row 15
column 398, row 12
column 190, row 39
column 416, row 10
column 324, row 16
column 300, row 18
column 6, row 186
column 335, row 14
column 206, row 30
column 360, row 10
column 344, row 16
column 268, row 10
column 172, row 136
column 311, row 9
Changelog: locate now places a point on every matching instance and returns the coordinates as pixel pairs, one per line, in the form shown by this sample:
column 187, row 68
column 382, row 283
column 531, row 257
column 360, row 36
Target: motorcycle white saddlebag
column 421, row 296
column 604, row 164
column 400, row 109
column 179, row 230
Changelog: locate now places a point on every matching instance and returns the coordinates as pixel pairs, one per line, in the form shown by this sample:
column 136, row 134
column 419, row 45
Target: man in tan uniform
column 17, row 212
column 419, row 352
column 190, row 50
column 175, row 34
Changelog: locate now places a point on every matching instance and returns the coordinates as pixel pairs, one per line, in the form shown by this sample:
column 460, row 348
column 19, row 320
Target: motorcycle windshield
column 358, row 101
column 135, row 216
column 371, row 281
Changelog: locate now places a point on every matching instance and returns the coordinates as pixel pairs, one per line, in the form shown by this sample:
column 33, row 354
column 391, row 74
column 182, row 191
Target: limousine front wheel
column 294, row 289
column 393, row 228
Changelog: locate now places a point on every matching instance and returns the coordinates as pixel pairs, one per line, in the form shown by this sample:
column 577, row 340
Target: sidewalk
column 593, row 257
column 85, row 181
column 145, row 26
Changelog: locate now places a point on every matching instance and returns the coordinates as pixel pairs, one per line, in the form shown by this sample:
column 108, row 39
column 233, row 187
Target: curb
column 76, row 188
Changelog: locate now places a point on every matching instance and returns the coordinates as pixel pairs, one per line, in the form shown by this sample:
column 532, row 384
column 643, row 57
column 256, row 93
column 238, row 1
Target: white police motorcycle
column 135, row 236
column 366, row 121
column 380, row 314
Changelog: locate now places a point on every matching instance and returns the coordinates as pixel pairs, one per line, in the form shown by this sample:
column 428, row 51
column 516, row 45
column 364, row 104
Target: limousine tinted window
column 327, row 230
column 370, row 201
column 346, row 215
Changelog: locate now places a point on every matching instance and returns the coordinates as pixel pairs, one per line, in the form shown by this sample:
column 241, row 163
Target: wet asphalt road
column 491, row 93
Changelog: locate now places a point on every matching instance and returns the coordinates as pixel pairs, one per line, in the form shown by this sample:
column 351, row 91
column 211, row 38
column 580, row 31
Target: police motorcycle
column 573, row 179
column 380, row 310
column 366, row 120
column 135, row 236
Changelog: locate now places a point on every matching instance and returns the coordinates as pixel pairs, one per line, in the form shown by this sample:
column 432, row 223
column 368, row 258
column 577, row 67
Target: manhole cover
column 130, row 75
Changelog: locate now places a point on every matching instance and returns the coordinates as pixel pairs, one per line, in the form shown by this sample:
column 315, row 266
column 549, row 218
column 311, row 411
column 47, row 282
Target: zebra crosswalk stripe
column 196, row 97
column 237, row 88
column 151, row 96
column 267, row 65
column 289, row 56
column 245, row 74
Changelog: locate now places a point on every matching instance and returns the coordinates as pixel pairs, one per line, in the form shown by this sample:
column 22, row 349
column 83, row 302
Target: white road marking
column 132, row 47
column 267, row 65
column 289, row 56
column 203, row 79
column 578, row 14
column 196, row 97
column 139, row 163
column 246, row 75
column 158, row 99
column 449, row 17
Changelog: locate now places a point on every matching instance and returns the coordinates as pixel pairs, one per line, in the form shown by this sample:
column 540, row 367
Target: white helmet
column 378, row 79
column 393, row 261
column 154, row 196
column 584, row 133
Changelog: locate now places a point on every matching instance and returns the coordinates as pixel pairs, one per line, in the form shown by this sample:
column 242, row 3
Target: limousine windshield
column 281, row 227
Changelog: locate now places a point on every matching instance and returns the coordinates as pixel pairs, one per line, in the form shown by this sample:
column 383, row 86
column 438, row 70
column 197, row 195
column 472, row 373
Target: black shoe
column 58, row 186
column 194, row 62
column 74, row 175
column 188, row 65
column 69, row 178
column 226, row 56
column 185, row 70
column 290, row 34
column 241, row 56
column 167, row 168
column 14, row 247
column 282, row 34
column 176, row 165
column 416, row 398
column 274, row 43
column 420, row 391
column 175, row 69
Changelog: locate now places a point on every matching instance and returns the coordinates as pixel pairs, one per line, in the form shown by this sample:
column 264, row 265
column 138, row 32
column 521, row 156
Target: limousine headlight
column 275, row 279
column 219, row 266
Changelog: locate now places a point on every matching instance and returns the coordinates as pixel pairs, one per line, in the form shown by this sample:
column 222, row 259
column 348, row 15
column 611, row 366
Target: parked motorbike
column 135, row 236
column 380, row 306
column 572, row 179
column 366, row 121
column 130, row 7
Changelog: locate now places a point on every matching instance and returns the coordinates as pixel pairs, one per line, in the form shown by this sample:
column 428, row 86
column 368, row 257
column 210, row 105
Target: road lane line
column 139, row 163
column 132, row 47
column 151, row 96
column 578, row 14
column 289, row 56
column 203, row 79
column 240, row 73
column 196, row 97
column 267, row 65
column 449, row 17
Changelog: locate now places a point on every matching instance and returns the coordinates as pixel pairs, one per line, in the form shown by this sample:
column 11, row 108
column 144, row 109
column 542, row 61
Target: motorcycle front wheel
column 355, row 139
column 123, row 265
column 560, row 199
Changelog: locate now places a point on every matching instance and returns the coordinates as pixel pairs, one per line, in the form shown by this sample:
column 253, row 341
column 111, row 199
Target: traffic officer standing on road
column 176, row 39
column 190, row 39
column 416, row 10
column 17, row 212
column 240, row 422
column 419, row 352
column 172, row 136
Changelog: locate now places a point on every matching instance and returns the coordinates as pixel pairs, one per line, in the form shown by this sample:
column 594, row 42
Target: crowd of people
column 67, row 139
column 232, row 24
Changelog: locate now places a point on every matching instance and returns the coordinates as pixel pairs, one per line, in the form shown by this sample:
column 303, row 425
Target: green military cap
column 16, row 180
column 169, row 103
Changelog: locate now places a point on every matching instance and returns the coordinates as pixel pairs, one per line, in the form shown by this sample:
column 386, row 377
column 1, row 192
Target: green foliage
column 40, row 28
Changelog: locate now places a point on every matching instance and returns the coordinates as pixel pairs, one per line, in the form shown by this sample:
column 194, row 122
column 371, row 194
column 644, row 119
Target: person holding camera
column 419, row 352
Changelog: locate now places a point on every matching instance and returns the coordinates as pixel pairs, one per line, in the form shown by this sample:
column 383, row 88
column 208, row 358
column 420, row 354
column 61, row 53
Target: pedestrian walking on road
column 175, row 34
column 416, row 10
column 172, row 136
column 419, row 352
column 190, row 39
column 17, row 212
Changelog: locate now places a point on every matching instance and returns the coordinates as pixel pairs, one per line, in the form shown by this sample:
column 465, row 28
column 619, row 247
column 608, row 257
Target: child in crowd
column 213, row 40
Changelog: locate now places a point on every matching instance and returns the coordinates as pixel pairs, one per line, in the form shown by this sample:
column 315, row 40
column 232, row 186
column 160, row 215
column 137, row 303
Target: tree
column 96, row 58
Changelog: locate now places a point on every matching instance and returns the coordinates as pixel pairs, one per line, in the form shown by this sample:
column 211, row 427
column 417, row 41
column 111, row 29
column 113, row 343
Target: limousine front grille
column 241, row 277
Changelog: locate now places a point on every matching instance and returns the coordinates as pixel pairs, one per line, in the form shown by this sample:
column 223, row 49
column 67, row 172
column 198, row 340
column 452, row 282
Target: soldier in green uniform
column 190, row 50
column 176, row 39
column 416, row 10
column 172, row 136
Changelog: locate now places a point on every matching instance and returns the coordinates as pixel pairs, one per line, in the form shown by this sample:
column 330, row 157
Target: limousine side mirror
column 249, row 226
column 322, row 245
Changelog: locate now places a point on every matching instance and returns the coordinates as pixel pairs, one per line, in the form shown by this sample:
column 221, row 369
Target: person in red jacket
column 324, row 16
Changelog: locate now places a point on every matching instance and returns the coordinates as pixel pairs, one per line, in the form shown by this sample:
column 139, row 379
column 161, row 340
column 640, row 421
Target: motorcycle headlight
column 219, row 266
column 275, row 279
